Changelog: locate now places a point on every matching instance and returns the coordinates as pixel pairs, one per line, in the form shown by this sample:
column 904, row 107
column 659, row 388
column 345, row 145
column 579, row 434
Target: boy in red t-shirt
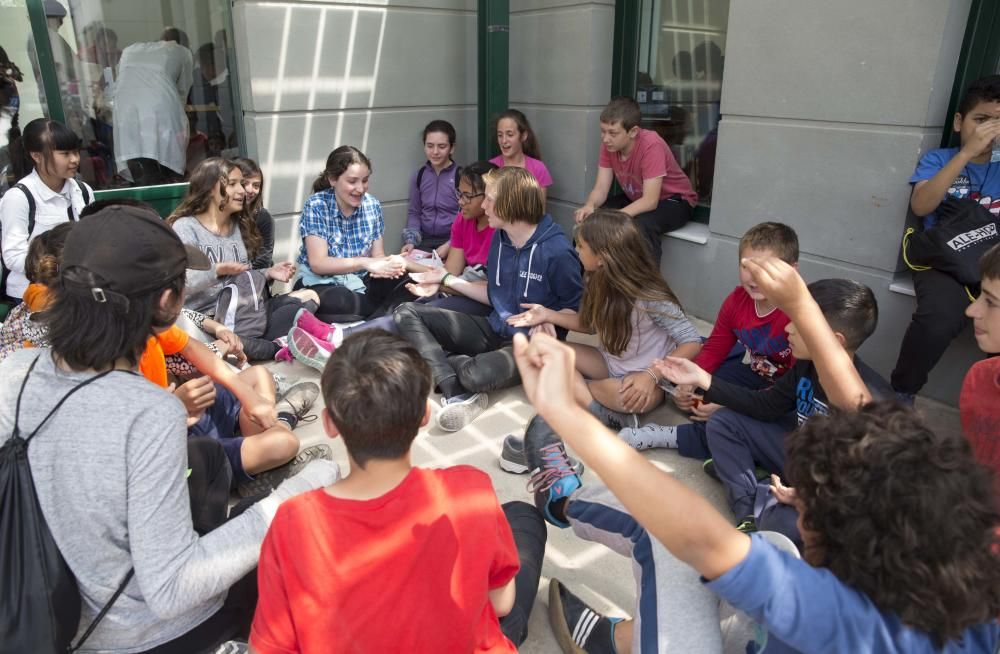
column 657, row 193
column 394, row 558
column 748, row 346
column 979, row 403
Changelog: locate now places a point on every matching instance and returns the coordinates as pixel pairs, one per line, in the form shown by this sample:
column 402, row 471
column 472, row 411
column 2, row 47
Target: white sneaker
column 457, row 412
column 650, row 436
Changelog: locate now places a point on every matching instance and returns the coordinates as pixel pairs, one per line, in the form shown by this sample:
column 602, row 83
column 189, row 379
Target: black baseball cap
column 127, row 251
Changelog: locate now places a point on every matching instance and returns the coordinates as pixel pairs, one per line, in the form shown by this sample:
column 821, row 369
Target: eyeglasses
column 466, row 197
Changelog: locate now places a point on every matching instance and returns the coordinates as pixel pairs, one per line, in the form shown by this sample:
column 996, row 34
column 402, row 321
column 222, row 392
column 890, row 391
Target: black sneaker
column 267, row 481
column 577, row 627
column 553, row 479
column 512, row 457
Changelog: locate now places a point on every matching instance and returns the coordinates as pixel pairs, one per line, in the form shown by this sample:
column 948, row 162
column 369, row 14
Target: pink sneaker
column 308, row 349
column 313, row 326
column 284, row 354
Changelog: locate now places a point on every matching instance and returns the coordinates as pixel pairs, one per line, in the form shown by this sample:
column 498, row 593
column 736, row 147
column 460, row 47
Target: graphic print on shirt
column 761, row 344
column 962, row 188
column 807, row 404
column 215, row 253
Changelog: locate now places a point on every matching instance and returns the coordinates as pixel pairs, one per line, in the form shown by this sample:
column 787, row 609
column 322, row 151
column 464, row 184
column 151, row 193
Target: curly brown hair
column 902, row 514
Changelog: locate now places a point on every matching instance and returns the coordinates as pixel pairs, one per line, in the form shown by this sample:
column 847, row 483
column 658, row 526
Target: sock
column 289, row 418
column 650, row 436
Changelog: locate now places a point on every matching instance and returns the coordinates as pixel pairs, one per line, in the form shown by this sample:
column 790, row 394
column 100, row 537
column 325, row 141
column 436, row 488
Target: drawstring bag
column 242, row 304
column 40, row 611
column 965, row 230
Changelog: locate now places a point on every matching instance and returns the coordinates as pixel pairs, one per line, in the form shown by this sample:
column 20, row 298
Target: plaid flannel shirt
column 345, row 236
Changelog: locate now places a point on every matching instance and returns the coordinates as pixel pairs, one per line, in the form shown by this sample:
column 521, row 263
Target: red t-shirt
column 409, row 571
column 475, row 243
column 649, row 159
column 764, row 337
column 979, row 408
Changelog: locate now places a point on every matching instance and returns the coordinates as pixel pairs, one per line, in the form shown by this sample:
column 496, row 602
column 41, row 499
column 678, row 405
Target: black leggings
column 463, row 351
column 528, row 526
column 340, row 304
column 281, row 312
column 670, row 214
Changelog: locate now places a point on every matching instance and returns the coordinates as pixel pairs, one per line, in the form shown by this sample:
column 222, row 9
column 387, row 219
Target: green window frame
column 163, row 197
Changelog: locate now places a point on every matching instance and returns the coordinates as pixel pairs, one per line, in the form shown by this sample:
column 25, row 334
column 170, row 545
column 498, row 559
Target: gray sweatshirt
column 203, row 286
column 110, row 472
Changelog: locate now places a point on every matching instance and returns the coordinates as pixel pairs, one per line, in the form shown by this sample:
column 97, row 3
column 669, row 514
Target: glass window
column 145, row 83
column 682, row 46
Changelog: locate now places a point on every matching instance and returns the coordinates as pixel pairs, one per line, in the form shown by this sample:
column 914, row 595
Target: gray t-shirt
column 203, row 286
column 110, row 471
column 657, row 329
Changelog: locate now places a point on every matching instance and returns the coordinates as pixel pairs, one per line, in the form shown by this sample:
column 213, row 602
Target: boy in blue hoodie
column 530, row 262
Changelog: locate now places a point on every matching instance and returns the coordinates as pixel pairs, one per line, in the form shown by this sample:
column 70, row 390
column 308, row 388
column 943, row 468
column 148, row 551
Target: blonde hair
column 518, row 195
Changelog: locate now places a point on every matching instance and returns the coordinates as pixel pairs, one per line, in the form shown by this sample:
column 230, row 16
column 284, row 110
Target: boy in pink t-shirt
column 657, row 193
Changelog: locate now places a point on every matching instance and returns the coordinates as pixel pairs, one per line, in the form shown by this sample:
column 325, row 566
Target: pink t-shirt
column 474, row 243
column 649, row 159
column 533, row 166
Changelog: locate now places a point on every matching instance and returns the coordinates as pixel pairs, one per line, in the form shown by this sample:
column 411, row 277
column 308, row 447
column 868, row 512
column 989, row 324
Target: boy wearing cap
column 114, row 453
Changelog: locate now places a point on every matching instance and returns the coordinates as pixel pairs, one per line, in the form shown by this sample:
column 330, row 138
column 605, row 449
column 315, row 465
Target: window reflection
column 146, row 84
column 679, row 81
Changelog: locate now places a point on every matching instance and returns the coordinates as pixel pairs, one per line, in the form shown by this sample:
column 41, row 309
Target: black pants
column 340, row 304
column 209, row 467
column 670, row 214
column 463, row 351
column 528, row 526
column 208, row 483
column 281, row 312
column 939, row 318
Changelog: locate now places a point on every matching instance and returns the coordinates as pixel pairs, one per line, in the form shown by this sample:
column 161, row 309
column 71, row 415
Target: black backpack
column 4, row 272
column 964, row 231
column 41, row 608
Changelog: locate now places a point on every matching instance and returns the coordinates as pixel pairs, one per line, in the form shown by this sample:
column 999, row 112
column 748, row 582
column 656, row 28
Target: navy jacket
column 545, row 271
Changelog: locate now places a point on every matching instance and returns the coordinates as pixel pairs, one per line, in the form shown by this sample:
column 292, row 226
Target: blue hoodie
column 545, row 271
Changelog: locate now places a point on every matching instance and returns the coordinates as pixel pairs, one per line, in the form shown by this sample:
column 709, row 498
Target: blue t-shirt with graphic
column 976, row 181
column 807, row 609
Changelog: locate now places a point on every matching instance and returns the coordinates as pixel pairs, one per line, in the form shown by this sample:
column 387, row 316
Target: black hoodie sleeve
column 767, row 405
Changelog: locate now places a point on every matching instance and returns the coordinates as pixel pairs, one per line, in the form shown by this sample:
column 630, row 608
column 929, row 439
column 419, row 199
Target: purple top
column 433, row 206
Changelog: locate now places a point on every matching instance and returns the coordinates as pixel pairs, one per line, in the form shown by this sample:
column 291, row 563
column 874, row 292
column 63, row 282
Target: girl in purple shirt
column 432, row 193
column 519, row 147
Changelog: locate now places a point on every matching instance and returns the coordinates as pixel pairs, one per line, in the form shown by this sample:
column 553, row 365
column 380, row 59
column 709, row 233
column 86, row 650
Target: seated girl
column 432, row 198
column 636, row 316
column 530, row 261
column 311, row 340
column 343, row 255
column 253, row 187
column 519, row 147
column 212, row 217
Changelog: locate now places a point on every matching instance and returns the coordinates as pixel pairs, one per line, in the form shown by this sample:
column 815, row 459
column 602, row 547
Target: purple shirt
column 433, row 206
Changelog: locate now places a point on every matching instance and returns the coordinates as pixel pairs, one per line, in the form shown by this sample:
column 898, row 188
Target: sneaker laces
column 555, row 466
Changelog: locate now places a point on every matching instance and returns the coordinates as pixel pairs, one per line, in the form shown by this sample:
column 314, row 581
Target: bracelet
column 648, row 371
column 444, row 280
